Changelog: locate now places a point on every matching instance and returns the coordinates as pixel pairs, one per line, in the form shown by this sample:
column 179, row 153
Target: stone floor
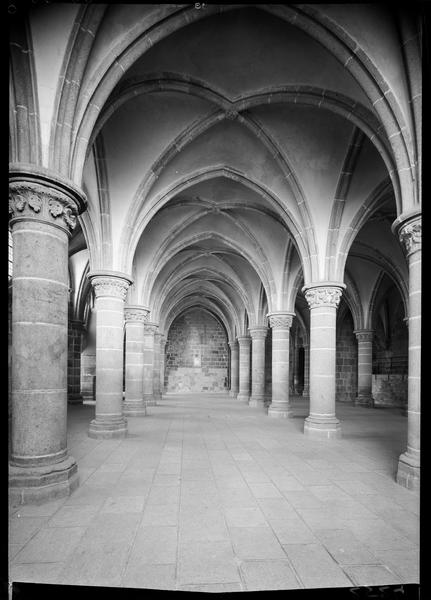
column 208, row 494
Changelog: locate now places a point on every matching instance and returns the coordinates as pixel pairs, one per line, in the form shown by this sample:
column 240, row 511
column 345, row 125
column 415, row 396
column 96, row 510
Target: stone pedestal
column 135, row 317
column 43, row 212
column 148, row 375
column 258, row 335
column 365, row 367
column 410, row 233
column 156, row 372
column 244, row 342
column 280, row 323
column 74, row 395
column 110, row 289
column 323, row 300
column 234, row 369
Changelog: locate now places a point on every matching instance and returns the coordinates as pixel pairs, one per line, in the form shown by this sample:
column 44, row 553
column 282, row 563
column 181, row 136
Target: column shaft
column 257, row 398
column 408, row 473
column 134, row 404
column 244, row 368
column 149, row 331
column 280, row 325
column 365, row 367
column 306, row 390
column 157, row 363
column 234, row 369
column 110, row 290
column 42, row 217
column 323, row 302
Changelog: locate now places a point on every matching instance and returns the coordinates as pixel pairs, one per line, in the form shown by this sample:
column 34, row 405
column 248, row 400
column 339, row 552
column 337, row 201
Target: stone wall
column 196, row 354
column 74, row 360
column 390, row 390
column 346, row 361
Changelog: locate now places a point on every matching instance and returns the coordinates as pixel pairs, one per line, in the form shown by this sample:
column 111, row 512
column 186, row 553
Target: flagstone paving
column 208, row 494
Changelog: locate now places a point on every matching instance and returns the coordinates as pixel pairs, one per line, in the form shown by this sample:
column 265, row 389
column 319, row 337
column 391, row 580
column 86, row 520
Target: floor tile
column 315, row 567
column 154, row 545
column 268, row 575
column 207, row 562
column 73, row 515
column 158, row 577
column 49, row 545
column 372, row 575
column 255, row 543
column 123, row 504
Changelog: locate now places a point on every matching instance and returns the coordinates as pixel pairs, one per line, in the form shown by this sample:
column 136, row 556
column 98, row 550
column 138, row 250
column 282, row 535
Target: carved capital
column 136, row 314
column 281, row 320
column 244, row 340
column 410, row 236
column 113, row 287
column 258, row 332
column 364, row 335
column 30, row 200
column 151, row 328
column 323, row 296
column 233, row 345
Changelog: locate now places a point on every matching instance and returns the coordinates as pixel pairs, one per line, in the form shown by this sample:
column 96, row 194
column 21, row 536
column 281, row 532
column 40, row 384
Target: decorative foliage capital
column 136, row 314
column 244, row 340
column 364, row 335
column 30, row 200
column 151, row 328
column 110, row 286
column 281, row 320
column 323, row 296
column 258, row 332
column 411, row 236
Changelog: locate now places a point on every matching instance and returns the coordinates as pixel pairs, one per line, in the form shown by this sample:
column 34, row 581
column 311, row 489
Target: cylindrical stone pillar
column 280, row 323
column 323, row 300
column 148, row 376
column 244, row 342
column 365, row 367
column 74, row 395
column 156, row 371
column 135, row 317
column 234, row 369
column 163, row 342
column 110, row 290
column 410, row 233
column 258, row 335
column 43, row 213
column 306, row 390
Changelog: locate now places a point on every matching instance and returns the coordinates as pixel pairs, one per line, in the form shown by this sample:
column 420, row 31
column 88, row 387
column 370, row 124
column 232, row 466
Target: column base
column 408, row 474
column 257, row 402
column 364, row 401
column 75, row 399
column 105, row 430
column 322, row 429
column 233, row 394
column 134, row 408
column 36, row 485
column 279, row 411
column 243, row 397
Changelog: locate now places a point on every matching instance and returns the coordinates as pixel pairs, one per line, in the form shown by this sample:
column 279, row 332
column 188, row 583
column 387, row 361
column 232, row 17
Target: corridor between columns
column 207, row 494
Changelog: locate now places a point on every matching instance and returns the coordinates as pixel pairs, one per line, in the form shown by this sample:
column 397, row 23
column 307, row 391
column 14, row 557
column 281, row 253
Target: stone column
column 323, row 301
column 244, row 368
column 156, row 372
column 306, row 390
column 43, row 212
column 410, row 233
column 258, row 335
column 110, row 289
column 365, row 367
column 149, row 331
column 163, row 342
column 74, row 395
column 280, row 323
column 234, row 369
column 135, row 317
